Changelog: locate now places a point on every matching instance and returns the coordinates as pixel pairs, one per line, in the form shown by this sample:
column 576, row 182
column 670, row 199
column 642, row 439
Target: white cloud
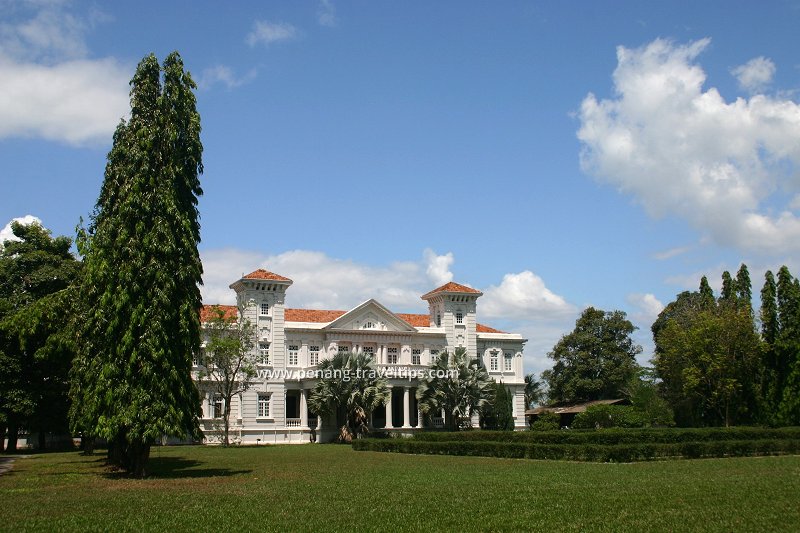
column 48, row 87
column 270, row 32
column 7, row 235
column 523, row 296
column 224, row 75
column 320, row 281
column 755, row 75
column 680, row 149
column 326, row 14
column 672, row 252
column 646, row 307
column 438, row 267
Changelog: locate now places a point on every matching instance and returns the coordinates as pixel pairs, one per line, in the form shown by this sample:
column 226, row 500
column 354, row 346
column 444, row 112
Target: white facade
column 291, row 343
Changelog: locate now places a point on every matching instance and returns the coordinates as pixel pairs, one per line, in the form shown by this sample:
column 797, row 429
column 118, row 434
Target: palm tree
column 350, row 388
column 456, row 384
column 533, row 391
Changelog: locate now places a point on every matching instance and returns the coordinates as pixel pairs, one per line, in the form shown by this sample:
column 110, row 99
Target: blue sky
column 553, row 154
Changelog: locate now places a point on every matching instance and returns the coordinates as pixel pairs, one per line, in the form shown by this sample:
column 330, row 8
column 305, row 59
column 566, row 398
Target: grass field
column 333, row 488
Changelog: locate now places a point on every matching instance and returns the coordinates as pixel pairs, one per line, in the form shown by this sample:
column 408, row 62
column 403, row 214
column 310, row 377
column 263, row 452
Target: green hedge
column 617, row 453
column 615, row 436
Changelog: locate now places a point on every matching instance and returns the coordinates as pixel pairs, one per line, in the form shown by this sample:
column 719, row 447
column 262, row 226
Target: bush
column 617, row 435
column 618, row 453
column 547, row 421
column 610, row 416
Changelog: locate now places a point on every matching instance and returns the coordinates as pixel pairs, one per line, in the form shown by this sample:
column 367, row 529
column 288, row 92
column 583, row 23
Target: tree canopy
column 37, row 309
column 132, row 384
column 595, row 361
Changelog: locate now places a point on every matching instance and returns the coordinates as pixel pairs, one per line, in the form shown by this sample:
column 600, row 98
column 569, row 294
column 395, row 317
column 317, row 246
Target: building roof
column 311, row 315
column 451, row 287
column 207, row 312
column 265, row 274
column 574, row 408
column 321, row 316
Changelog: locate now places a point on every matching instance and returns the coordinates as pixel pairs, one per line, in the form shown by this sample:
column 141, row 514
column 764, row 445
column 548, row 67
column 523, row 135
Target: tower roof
column 265, row 274
column 452, row 287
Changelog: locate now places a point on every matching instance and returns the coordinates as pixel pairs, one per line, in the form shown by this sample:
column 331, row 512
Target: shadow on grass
column 179, row 468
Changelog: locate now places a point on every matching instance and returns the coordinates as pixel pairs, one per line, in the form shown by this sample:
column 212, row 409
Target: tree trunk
column 226, row 421
column 138, row 456
column 11, row 447
column 87, row 445
column 117, row 452
column 2, row 437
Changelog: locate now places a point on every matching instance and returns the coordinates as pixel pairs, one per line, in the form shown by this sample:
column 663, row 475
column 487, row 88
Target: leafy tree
column 349, row 390
column 36, row 308
column 227, row 364
column 499, row 413
column 787, row 349
column 707, row 358
column 595, row 361
column 646, row 399
column 133, row 384
column 458, row 385
column 547, row 421
column 534, row 392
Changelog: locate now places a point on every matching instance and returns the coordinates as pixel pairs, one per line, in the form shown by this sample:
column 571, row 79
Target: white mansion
column 291, row 342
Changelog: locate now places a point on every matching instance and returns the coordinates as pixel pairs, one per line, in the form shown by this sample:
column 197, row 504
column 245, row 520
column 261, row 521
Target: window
column 392, row 356
column 195, row 360
column 459, row 318
column 264, row 309
column 509, row 361
column 369, row 325
column 370, row 351
column 219, row 406
column 438, row 320
column 343, row 348
column 263, row 353
column 313, row 355
column 263, row 405
column 416, row 356
column 493, row 361
column 293, row 354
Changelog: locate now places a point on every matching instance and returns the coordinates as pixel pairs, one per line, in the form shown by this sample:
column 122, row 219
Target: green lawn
column 333, row 488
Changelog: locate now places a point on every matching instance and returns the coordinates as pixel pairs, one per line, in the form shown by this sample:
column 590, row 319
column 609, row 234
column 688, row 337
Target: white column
column 419, row 419
column 303, row 409
column 389, row 409
column 406, row 407
column 319, row 423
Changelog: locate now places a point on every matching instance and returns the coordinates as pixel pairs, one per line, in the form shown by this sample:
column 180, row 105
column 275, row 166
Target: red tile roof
column 207, row 312
column 451, row 287
column 320, row 316
column 311, row 315
column 265, row 274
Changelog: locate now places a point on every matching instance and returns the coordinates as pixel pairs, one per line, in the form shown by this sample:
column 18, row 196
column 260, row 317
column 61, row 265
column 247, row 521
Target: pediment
column 370, row 316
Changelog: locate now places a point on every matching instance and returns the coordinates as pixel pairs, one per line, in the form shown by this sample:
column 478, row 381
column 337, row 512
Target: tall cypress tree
column 728, row 287
column 706, row 294
column 133, row 383
column 769, row 309
column 744, row 290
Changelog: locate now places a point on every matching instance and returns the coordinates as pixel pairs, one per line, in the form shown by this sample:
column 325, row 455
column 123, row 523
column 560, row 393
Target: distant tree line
column 716, row 361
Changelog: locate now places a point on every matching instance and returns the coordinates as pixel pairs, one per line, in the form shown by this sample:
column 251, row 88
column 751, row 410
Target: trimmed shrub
column 617, row 453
